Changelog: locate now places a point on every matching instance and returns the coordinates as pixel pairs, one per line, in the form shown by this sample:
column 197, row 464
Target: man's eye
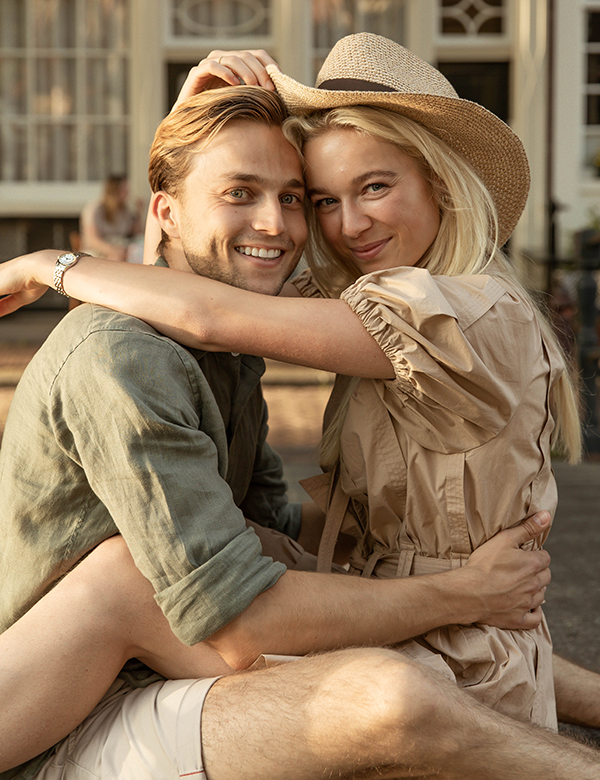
column 376, row 186
column 238, row 194
column 289, row 200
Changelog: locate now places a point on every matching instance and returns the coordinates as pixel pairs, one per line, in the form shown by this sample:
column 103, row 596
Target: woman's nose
column 354, row 220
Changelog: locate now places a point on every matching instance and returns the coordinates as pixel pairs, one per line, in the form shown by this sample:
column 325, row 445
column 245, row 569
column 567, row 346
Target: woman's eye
column 324, row 202
column 376, row 186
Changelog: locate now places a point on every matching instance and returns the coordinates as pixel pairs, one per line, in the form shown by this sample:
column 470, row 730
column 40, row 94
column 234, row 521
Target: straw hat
column 366, row 69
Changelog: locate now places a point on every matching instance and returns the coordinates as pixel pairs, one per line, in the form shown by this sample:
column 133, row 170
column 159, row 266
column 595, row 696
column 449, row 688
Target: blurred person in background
column 109, row 226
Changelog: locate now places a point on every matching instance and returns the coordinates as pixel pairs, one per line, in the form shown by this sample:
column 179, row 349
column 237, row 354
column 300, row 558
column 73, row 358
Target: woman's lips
column 369, row 251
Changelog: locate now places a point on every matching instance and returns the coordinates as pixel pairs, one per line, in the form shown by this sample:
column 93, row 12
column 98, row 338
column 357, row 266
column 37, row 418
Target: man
column 115, row 429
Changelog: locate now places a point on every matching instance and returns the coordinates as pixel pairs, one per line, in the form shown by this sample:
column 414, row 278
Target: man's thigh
column 334, row 714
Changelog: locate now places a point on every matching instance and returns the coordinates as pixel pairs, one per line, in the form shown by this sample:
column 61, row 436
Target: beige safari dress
column 452, row 450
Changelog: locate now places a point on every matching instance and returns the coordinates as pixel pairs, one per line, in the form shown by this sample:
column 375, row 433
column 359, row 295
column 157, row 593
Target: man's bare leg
column 368, row 713
column 61, row 657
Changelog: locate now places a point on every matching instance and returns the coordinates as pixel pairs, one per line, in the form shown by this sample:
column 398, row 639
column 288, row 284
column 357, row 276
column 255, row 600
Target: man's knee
column 387, row 691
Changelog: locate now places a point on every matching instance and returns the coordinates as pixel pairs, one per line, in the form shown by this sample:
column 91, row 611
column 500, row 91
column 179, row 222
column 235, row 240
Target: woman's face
column 372, row 201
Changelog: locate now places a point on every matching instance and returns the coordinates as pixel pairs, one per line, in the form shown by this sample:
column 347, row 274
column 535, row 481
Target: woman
column 409, row 211
column 108, row 226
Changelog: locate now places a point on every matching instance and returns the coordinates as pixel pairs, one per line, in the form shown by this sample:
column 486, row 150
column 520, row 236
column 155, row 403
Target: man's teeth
column 270, row 254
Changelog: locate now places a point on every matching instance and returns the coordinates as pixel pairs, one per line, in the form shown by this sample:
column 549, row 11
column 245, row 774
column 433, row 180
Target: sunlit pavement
column 296, row 398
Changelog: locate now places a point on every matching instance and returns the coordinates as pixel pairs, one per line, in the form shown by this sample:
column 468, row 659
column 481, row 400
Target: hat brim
column 493, row 150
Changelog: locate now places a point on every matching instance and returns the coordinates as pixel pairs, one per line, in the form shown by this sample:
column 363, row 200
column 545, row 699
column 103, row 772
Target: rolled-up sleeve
column 154, row 452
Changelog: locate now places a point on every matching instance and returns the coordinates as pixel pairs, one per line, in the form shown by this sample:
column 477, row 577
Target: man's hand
column 25, row 279
column 508, row 581
column 227, row 68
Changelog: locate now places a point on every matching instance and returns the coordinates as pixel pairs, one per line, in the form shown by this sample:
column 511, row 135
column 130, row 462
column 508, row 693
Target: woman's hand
column 227, row 68
column 25, row 279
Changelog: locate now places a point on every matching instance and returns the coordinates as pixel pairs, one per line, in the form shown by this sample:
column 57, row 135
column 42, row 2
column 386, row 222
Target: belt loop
column 455, row 504
column 371, row 563
column 405, row 562
column 336, row 510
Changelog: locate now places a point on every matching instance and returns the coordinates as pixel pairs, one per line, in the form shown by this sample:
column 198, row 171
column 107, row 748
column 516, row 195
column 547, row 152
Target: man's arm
column 155, row 455
column 305, row 612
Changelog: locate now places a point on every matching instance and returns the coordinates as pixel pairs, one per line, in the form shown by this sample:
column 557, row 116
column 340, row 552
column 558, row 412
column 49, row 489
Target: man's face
column 240, row 216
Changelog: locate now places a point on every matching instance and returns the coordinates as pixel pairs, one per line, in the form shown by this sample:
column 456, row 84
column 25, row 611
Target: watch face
column 68, row 258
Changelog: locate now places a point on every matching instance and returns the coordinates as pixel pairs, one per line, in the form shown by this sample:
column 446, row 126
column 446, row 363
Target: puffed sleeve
column 464, row 351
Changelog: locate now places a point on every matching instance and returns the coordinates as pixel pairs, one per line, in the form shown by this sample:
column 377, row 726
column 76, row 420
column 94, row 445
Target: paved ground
column 296, row 398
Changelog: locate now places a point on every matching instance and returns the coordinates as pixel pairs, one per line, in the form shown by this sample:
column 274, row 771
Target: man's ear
column 164, row 209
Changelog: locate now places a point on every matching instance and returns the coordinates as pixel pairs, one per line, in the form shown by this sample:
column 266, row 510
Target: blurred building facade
column 83, row 84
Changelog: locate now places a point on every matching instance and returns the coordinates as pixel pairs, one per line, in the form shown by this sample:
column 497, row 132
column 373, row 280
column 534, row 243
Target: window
column 64, row 114
column 472, row 17
column 592, row 91
column 207, row 21
column 486, row 83
column 333, row 19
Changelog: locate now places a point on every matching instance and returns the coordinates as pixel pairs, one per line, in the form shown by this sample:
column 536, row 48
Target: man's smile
column 255, row 251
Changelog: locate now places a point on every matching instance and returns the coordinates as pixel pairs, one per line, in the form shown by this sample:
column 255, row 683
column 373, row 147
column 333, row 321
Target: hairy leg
column 61, row 657
column 369, row 713
column 577, row 693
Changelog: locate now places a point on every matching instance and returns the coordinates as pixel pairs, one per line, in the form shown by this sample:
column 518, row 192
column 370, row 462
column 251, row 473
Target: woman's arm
column 202, row 313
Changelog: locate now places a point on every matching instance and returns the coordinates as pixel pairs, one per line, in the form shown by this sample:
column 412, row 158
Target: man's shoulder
column 94, row 324
column 89, row 317
column 95, row 339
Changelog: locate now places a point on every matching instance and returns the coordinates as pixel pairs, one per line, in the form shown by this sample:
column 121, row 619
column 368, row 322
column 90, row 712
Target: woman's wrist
column 40, row 266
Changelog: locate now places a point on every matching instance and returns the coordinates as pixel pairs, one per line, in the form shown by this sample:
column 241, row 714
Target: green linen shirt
column 115, row 428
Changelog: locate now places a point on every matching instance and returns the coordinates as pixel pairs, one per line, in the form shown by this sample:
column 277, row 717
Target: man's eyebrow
column 253, row 178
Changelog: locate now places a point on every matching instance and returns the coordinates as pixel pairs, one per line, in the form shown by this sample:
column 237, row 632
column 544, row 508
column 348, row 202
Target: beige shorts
column 137, row 734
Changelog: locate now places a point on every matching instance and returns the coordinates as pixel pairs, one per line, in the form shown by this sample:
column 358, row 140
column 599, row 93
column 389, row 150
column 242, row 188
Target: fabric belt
column 406, row 563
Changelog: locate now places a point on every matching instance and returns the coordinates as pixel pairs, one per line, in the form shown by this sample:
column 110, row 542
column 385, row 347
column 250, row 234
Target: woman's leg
column 61, row 657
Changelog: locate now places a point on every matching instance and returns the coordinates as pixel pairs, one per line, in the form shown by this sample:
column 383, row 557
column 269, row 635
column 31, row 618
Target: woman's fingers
column 227, row 68
column 249, row 66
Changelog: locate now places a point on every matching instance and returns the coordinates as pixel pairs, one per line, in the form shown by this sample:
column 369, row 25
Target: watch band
column 63, row 262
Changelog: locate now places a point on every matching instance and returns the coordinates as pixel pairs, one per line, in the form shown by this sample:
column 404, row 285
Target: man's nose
column 354, row 220
column 269, row 217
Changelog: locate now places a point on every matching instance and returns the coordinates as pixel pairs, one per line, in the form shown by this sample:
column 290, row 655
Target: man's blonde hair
column 191, row 126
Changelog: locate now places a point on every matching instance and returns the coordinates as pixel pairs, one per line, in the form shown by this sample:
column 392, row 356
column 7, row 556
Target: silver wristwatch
column 64, row 261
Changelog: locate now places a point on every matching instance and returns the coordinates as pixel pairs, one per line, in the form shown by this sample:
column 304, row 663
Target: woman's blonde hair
column 466, row 242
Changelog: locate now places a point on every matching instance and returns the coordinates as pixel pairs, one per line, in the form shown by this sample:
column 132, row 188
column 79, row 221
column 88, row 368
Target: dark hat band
column 355, row 85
